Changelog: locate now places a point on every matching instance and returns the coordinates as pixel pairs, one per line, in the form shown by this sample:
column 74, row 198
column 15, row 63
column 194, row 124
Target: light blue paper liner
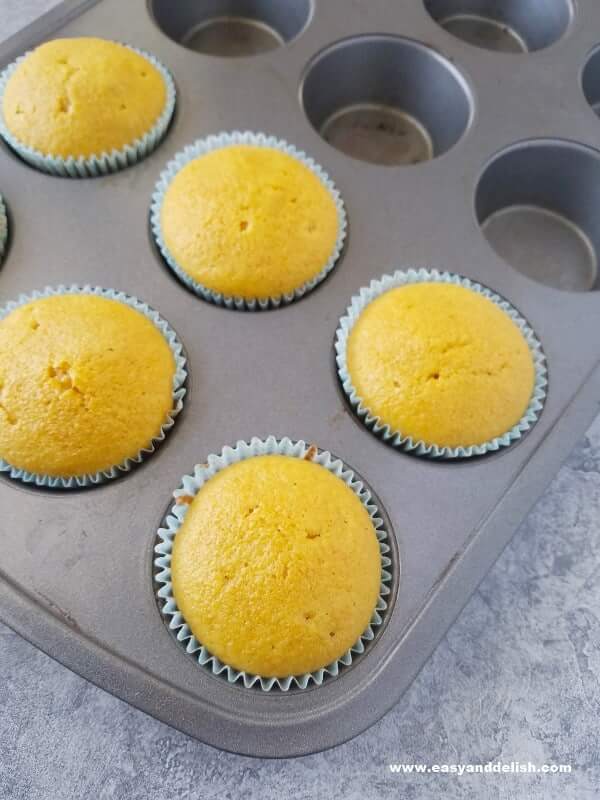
column 179, row 378
column 396, row 438
column 202, row 147
column 102, row 163
column 3, row 228
column 190, row 486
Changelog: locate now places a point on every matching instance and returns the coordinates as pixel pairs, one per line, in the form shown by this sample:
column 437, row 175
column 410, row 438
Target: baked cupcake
column 275, row 563
column 90, row 380
column 85, row 106
column 247, row 221
column 440, row 365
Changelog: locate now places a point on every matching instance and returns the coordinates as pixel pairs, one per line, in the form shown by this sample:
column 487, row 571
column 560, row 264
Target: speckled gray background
column 516, row 678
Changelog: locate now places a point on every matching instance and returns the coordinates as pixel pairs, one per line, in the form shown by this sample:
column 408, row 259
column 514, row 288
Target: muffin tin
column 508, row 133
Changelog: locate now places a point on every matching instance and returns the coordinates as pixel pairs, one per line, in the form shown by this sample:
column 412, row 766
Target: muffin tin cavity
column 537, row 203
column 232, row 28
column 386, row 100
column 512, row 26
column 590, row 80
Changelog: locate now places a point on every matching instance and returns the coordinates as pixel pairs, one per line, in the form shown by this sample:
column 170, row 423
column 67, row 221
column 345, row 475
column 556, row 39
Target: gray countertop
column 517, row 678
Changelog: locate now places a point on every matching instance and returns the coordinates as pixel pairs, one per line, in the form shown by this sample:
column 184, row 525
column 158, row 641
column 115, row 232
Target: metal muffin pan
column 75, row 572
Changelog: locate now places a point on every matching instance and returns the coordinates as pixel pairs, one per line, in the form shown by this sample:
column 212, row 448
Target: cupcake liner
column 202, row 147
column 397, row 438
column 190, row 485
column 179, row 378
column 3, row 228
column 103, row 163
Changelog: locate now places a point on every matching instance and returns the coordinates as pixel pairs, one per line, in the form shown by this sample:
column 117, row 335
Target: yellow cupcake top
column 249, row 221
column 82, row 97
column 441, row 363
column 85, row 382
column 276, row 567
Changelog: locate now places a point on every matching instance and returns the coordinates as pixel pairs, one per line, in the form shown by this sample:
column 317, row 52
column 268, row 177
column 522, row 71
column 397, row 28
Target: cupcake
column 85, row 106
column 90, row 380
column 439, row 364
column 275, row 563
column 247, row 221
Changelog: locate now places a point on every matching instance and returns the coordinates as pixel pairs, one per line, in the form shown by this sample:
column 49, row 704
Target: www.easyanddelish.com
column 491, row 767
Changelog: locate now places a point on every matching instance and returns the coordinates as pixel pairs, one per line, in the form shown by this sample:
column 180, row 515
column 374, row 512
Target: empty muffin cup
column 537, row 203
column 590, row 80
column 232, row 28
column 512, row 26
column 386, row 100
